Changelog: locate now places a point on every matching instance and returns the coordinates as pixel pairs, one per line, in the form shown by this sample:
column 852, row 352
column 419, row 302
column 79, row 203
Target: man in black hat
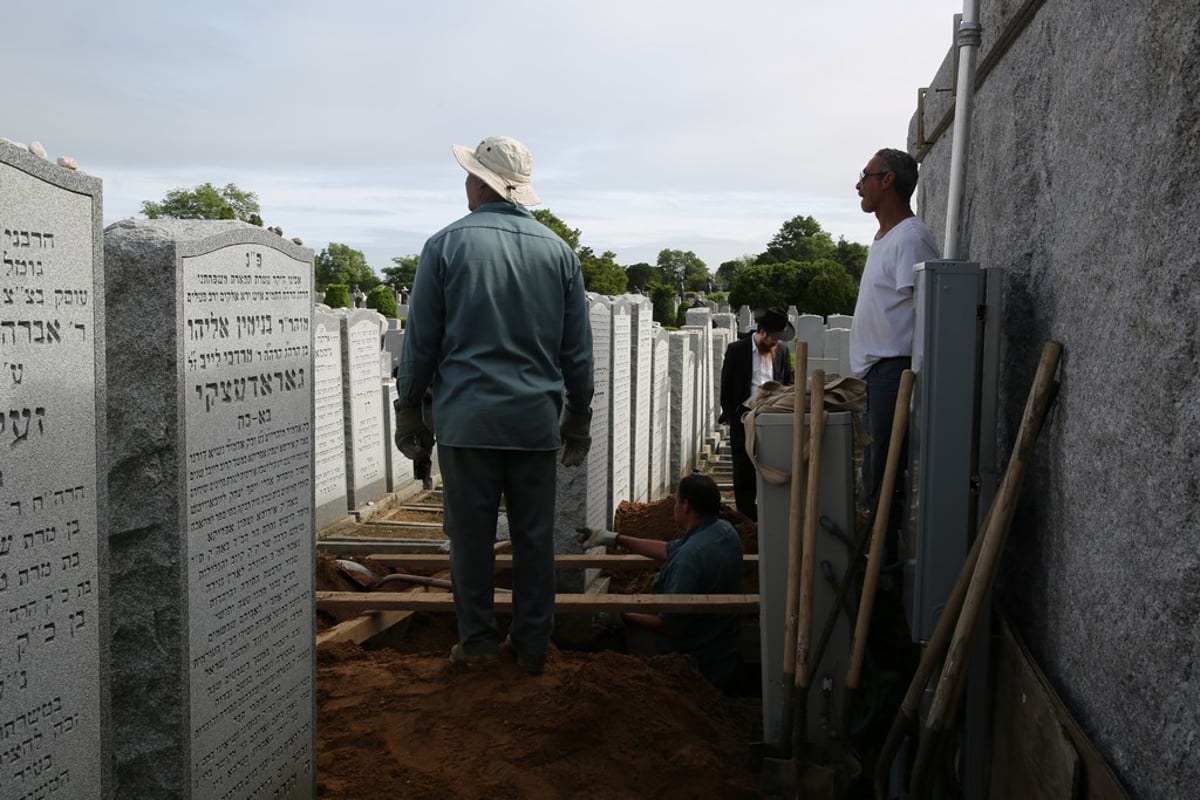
column 749, row 363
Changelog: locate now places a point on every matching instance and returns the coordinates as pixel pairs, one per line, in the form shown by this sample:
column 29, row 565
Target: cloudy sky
column 686, row 124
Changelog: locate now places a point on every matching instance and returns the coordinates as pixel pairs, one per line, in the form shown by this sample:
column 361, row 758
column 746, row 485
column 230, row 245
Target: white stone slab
column 642, row 361
column 366, row 466
column 329, row 420
column 837, row 346
column 810, row 328
column 619, row 428
column 660, row 416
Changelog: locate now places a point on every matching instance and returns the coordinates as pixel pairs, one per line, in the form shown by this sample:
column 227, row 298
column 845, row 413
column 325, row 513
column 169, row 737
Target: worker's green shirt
column 498, row 326
column 707, row 560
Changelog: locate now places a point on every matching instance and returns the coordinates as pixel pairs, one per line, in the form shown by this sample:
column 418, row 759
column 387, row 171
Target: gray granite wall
column 1082, row 187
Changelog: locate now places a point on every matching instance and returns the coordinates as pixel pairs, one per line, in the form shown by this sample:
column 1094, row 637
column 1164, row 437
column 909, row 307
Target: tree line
column 801, row 265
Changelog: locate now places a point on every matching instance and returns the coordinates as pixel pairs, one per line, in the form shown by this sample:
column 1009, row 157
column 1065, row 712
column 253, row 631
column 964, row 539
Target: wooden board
column 362, row 627
column 563, row 603
column 1027, row 685
column 612, row 563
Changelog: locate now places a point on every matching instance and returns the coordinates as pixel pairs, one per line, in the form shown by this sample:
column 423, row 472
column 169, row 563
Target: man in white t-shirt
column 881, row 337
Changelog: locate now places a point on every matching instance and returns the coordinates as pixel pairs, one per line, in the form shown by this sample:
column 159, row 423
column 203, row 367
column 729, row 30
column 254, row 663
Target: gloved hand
column 576, row 432
column 607, row 621
column 594, row 537
column 413, row 437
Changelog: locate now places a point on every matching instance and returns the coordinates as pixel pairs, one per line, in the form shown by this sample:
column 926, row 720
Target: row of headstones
column 828, row 338
column 156, row 501
column 168, row 395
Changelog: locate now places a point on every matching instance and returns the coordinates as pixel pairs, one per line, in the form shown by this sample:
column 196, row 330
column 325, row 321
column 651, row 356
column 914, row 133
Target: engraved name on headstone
column 329, row 424
column 642, row 362
column 366, row 469
column 599, row 513
column 621, row 407
column 215, row 697
column 660, row 416
column 53, row 560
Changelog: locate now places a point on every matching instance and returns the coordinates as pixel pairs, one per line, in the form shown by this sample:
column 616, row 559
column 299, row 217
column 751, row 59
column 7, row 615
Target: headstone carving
column 210, row 433
column 660, row 416
column 54, row 733
column 642, row 361
column 366, row 467
column 329, row 424
column 621, row 407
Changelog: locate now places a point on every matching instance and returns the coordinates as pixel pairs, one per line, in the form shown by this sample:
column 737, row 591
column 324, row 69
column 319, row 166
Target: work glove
column 594, row 537
column 413, row 437
column 576, row 432
column 603, row 621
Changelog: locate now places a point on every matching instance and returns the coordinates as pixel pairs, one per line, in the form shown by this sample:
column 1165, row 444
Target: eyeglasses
column 863, row 175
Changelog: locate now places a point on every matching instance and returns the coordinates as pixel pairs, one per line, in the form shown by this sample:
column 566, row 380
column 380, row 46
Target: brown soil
column 396, row 719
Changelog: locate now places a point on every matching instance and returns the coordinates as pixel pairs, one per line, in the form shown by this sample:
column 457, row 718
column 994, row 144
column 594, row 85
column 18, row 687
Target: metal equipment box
column 952, row 458
column 773, row 440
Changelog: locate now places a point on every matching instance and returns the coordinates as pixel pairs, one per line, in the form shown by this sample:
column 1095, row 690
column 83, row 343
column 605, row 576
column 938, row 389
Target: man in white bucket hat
column 498, row 327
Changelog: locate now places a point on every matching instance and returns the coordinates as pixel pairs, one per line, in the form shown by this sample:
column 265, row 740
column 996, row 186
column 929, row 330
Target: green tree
column 337, row 295
column 800, row 239
column 340, row 263
column 662, row 301
column 852, row 256
column 678, row 267
column 643, row 275
column 726, row 271
column 601, row 274
column 815, row 287
column 568, row 235
column 403, row 274
column 382, row 299
column 206, row 202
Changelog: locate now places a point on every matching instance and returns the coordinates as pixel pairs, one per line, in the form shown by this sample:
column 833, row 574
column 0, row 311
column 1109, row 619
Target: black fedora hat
column 775, row 322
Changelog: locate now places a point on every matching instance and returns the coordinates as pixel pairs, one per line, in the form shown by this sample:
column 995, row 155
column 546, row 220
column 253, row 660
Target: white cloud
column 691, row 124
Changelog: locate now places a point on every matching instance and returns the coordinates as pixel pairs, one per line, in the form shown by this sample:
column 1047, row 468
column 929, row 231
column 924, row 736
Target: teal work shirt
column 498, row 326
column 707, row 560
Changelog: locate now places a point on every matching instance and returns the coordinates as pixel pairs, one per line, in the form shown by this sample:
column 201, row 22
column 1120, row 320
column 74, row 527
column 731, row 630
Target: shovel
column 369, row 581
column 862, row 626
column 952, row 681
column 777, row 769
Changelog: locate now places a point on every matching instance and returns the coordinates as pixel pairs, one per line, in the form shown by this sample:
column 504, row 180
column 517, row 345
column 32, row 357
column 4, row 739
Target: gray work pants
column 474, row 480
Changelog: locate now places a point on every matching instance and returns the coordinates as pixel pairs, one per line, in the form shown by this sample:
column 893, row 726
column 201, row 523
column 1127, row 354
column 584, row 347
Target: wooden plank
column 362, row 627
column 1099, row 782
column 563, row 603
column 365, row 547
column 613, row 563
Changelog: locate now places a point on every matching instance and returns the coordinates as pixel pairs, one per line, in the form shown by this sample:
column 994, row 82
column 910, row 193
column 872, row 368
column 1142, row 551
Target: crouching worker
column 707, row 559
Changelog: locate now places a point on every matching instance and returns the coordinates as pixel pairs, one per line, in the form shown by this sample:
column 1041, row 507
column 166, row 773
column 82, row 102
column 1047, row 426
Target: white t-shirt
column 764, row 369
column 884, row 313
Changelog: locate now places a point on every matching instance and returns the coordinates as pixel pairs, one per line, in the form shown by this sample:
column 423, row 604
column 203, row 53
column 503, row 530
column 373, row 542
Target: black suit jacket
column 738, row 368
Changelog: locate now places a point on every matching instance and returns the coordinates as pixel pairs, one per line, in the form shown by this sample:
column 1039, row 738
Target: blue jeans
column 473, row 481
column 883, row 384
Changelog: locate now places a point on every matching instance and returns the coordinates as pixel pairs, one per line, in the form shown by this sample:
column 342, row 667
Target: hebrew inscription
column 50, row 681
column 249, row 487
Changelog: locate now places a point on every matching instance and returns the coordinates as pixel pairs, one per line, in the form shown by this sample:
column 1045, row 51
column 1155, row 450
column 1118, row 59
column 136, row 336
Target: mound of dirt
column 594, row 725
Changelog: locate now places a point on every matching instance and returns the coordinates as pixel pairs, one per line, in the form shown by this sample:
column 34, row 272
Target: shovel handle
column 794, row 542
column 808, row 560
column 862, row 626
column 991, row 544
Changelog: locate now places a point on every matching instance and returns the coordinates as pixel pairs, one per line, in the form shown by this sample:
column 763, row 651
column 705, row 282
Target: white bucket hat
column 502, row 163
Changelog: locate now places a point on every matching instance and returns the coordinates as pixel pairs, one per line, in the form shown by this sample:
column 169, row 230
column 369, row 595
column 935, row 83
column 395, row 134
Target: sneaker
column 484, row 661
column 528, row 664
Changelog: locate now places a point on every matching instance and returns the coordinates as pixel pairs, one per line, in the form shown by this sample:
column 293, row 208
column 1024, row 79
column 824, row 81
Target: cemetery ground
column 396, row 719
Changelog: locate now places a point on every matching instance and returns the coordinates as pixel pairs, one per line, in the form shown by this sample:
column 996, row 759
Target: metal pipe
column 969, row 36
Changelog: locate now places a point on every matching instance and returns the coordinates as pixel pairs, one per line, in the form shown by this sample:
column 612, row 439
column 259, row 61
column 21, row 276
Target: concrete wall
column 1083, row 187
